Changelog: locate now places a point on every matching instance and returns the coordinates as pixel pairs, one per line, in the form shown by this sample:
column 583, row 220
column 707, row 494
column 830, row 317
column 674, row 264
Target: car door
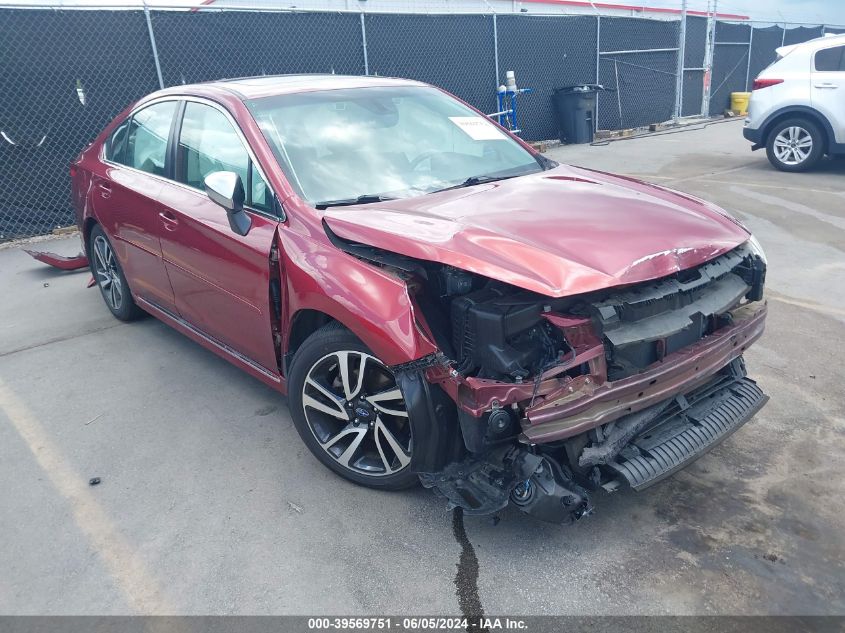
column 125, row 198
column 828, row 87
column 221, row 280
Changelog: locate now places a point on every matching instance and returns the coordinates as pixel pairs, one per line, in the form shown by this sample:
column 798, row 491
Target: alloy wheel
column 107, row 273
column 357, row 414
column 793, row 145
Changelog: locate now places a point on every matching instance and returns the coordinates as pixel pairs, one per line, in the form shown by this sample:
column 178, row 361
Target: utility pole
column 708, row 57
column 682, row 45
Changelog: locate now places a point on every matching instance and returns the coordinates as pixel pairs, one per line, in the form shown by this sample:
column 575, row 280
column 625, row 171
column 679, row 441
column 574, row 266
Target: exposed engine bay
column 557, row 397
column 499, row 332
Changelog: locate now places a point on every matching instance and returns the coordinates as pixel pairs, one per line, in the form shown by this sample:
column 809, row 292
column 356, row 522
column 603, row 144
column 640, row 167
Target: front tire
column 109, row 277
column 349, row 411
column 795, row 145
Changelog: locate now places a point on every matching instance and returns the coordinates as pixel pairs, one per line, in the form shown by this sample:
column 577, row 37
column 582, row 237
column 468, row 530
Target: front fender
column 370, row 301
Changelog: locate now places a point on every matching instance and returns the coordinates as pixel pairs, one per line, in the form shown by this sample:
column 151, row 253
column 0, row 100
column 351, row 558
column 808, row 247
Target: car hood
column 559, row 232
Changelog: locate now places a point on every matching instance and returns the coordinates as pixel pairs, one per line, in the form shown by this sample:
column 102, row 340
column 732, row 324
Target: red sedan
column 440, row 302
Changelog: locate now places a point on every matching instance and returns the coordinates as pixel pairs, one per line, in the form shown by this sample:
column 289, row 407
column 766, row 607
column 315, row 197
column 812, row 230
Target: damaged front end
column 557, row 397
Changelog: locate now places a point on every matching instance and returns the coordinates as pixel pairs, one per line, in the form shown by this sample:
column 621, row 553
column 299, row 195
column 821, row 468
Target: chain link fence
column 67, row 72
column 638, row 62
column 64, row 76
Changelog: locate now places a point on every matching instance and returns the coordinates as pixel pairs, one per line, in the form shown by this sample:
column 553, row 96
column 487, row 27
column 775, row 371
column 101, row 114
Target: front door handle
column 105, row 188
column 169, row 220
column 827, row 85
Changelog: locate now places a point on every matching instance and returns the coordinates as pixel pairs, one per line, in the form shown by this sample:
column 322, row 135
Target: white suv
column 797, row 109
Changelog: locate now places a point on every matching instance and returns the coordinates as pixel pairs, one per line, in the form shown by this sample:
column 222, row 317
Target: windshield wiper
column 345, row 202
column 475, row 180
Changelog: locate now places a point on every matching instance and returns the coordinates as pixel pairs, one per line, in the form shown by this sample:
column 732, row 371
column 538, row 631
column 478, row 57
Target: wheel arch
column 87, row 226
column 302, row 324
column 799, row 111
column 394, row 340
column 437, row 432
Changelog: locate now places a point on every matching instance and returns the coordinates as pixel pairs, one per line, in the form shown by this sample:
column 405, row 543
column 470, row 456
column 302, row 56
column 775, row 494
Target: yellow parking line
column 126, row 567
column 809, row 305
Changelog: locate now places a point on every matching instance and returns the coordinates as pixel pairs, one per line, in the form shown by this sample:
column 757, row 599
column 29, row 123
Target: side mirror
column 226, row 189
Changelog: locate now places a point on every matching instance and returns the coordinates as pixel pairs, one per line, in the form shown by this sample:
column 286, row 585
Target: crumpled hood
column 560, row 232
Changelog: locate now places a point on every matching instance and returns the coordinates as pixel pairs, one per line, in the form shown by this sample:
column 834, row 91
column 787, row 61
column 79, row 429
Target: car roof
column 814, row 44
column 266, row 86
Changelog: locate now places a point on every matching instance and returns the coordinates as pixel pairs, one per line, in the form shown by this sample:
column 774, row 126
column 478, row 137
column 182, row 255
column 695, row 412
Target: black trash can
column 575, row 108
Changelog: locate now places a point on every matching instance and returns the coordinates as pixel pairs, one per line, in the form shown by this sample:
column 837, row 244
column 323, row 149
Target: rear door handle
column 105, row 188
column 826, row 84
column 169, row 220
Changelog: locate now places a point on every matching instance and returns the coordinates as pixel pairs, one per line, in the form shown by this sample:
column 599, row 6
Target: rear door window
column 831, row 59
column 116, row 145
column 146, row 146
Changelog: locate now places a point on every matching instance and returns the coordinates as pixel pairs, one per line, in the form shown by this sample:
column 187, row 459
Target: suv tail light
column 759, row 84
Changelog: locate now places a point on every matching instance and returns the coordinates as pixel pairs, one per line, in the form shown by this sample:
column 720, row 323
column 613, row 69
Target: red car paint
column 59, row 261
column 560, row 232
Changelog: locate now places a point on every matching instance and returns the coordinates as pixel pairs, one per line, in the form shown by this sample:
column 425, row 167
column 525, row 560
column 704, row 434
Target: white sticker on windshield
column 478, row 128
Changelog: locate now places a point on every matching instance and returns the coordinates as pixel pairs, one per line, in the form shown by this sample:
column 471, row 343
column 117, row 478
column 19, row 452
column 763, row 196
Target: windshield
column 384, row 142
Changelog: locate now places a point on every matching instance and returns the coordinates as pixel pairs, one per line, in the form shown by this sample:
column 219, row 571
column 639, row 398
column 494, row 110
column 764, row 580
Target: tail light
column 759, row 84
column 72, row 171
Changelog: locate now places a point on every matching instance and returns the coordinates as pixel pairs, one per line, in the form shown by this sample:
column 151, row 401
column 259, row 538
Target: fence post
column 748, row 68
column 496, row 51
column 153, row 45
column 364, row 44
column 679, row 80
column 598, row 71
column 709, row 52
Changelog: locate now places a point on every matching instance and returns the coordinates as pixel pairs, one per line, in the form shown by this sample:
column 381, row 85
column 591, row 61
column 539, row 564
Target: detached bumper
column 592, row 404
column 59, row 261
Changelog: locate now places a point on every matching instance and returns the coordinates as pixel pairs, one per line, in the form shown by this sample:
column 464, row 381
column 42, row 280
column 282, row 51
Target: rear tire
column 109, row 277
column 349, row 411
column 795, row 145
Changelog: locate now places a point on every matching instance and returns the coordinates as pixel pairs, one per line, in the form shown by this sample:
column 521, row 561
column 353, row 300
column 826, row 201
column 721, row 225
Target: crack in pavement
column 59, row 339
column 466, row 579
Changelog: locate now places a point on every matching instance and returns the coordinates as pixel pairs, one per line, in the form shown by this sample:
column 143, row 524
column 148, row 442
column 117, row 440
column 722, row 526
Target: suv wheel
column 795, row 145
column 349, row 411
